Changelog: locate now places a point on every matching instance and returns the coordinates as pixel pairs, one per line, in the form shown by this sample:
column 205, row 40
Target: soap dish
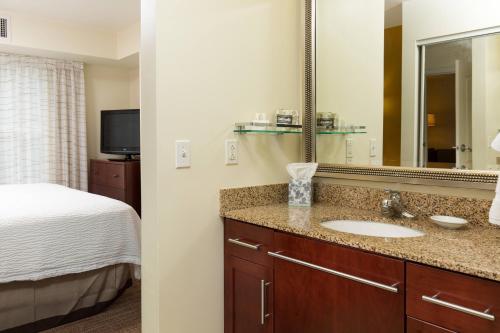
column 449, row 222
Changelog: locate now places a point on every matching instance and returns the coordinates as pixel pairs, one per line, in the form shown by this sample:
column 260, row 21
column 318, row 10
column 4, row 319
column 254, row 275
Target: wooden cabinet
column 322, row 288
column 118, row 180
column 248, row 279
column 453, row 301
column 283, row 283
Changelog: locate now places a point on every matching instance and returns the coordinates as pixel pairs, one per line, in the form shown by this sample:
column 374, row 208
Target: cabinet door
column 308, row 298
column 248, row 297
column 417, row 326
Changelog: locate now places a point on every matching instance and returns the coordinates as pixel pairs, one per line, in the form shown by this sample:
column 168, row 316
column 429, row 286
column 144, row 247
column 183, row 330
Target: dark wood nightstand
column 119, row 180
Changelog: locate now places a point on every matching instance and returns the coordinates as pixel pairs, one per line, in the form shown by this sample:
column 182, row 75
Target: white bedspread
column 50, row 230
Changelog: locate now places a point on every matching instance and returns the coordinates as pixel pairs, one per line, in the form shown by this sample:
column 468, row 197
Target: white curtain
column 42, row 121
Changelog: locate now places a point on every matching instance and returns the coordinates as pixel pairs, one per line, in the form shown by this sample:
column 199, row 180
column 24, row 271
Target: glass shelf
column 268, row 128
column 343, row 131
column 334, row 132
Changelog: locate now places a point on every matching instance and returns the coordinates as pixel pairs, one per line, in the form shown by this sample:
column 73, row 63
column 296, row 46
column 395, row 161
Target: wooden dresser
column 119, row 180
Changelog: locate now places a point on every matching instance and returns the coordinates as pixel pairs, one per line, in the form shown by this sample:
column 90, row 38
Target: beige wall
column 216, row 63
column 424, row 19
column 350, row 75
column 107, row 87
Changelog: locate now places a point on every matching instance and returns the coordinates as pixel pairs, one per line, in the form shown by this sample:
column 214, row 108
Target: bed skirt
column 33, row 306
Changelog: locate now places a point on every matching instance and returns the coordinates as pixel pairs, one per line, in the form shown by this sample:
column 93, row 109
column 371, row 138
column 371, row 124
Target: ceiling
column 100, row 14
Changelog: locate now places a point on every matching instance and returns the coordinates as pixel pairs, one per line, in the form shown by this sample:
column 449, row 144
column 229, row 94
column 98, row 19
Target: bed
column 64, row 254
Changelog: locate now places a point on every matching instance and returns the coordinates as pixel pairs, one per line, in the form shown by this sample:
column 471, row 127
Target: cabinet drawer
column 248, row 241
column 417, row 326
column 452, row 300
column 322, row 288
column 376, row 268
column 108, row 174
column 110, row 192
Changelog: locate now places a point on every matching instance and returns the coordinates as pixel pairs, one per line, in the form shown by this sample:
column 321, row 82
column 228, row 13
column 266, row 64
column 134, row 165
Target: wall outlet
column 182, row 154
column 373, row 147
column 349, row 148
column 231, row 152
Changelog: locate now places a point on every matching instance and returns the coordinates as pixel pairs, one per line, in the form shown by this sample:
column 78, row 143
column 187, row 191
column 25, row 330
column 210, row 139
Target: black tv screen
column 120, row 132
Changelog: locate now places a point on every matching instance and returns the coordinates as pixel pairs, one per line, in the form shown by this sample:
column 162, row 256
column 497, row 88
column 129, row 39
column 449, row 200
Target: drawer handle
column 263, row 314
column 244, row 244
column 115, row 176
column 391, row 288
column 435, row 300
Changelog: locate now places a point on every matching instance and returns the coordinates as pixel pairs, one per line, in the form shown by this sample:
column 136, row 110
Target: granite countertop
column 473, row 250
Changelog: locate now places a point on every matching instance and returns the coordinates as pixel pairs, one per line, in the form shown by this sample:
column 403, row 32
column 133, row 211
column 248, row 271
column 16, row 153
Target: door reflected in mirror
column 385, row 96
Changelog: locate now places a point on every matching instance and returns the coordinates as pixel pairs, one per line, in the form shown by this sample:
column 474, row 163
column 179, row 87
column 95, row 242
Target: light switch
column 231, row 152
column 182, row 154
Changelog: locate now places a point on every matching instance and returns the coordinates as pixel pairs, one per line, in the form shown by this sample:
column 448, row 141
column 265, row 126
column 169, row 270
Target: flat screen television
column 120, row 132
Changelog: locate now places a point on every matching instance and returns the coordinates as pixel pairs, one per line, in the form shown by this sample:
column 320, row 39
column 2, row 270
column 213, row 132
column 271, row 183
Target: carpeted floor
column 123, row 316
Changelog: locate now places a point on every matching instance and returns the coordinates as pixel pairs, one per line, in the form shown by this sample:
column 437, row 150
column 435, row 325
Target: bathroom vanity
column 286, row 273
column 280, row 282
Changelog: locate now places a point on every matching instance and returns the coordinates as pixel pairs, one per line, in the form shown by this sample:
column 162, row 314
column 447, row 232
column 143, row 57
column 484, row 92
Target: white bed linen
column 50, row 230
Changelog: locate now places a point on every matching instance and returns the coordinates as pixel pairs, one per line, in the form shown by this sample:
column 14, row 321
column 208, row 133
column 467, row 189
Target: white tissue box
column 300, row 193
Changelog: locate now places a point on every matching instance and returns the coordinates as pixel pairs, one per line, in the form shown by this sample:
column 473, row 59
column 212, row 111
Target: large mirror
column 407, row 83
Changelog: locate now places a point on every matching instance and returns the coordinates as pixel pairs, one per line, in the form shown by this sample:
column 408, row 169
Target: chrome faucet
column 393, row 207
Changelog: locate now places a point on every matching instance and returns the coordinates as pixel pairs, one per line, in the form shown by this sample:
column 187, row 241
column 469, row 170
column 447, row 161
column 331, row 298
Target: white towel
column 495, row 212
column 496, row 143
column 495, row 207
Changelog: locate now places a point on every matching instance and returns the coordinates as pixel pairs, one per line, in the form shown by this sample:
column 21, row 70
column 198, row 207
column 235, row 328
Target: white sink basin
column 375, row 229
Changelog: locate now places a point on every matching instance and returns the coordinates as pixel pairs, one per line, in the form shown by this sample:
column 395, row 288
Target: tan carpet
column 123, row 316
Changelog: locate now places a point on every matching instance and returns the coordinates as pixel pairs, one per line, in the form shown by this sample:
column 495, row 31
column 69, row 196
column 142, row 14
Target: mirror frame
column 408, row 175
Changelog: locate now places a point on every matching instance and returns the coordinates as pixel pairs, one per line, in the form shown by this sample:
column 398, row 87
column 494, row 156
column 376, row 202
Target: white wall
column 424, row 19
column 128, row 41
column 216, row 63
column 486, row 101
column 134, row 88
column 150, row 225
column 37, row 34
column 350, row 75
column 107, row 88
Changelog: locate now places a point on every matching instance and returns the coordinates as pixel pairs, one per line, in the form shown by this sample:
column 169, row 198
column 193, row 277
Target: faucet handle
column 393, row 195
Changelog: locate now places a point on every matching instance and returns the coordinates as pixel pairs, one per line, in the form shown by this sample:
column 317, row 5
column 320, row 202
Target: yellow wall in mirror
column 392, row 95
